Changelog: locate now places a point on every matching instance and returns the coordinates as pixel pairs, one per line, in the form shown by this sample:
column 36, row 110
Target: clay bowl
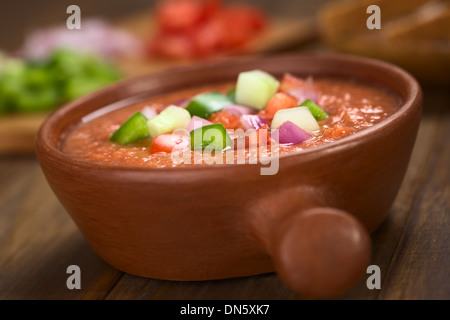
column 310, row 222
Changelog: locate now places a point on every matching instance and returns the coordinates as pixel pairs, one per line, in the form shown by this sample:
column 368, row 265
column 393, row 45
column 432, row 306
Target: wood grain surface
column 38, row 240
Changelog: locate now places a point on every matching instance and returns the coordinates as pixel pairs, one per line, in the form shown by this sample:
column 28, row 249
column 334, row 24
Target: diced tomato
column 211, row 7
column 172, row 46
column 336, row 132
column 168, row 143
column 280, row 100
column 176, row 15
column 229, row 121
column 254, row 138
column 252, row 16
column 198, row 28
column 207, row 38
column 242, row 22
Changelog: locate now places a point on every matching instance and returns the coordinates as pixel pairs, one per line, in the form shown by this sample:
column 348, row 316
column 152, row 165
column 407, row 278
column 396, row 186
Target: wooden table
column 38, row 240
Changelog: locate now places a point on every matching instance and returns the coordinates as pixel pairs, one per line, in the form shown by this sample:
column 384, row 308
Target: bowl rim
column 413, row 98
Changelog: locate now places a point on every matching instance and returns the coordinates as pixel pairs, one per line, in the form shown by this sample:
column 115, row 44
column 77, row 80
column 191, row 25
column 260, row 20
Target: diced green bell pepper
column 317, row 112
column 205, row 104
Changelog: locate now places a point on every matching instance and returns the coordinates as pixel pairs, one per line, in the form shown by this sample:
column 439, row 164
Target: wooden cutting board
column 17, row 132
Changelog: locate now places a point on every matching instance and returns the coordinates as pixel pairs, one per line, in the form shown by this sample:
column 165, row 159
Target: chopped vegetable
column 302, row 94
column 239, row 110
column 98, row 37
column 213, row 136
column 317, row 112
column 168, row 120
column 280, row 101
column 197, row 122
column 132, row 130
column 232, row 94
column 255, row 88
column 299, row 88
column 254, row 138
column 290, row 82
column 149, row 113
column 292, row 134
column 249, row 121
column 168, row 143
column 32, row 86
column 205, row 104
column 229, row 120
column 78, row 73
column 300, row 116
column 200, row 28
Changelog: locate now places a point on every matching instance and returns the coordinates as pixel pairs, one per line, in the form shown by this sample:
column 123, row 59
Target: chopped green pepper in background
column 32, row 86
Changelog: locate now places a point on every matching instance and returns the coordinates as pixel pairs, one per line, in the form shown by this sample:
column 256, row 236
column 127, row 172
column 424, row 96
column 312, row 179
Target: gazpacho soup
column 257, row 115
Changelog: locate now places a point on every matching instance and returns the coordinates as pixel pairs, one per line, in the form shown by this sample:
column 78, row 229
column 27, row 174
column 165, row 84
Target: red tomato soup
column 351, row 106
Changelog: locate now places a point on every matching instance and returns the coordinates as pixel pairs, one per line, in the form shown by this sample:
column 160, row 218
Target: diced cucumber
column 300, row 116
column 168, row 120
column 317, row 112
column 214, row 136
column 255, row 88
column 205, row 104
column 134, row 129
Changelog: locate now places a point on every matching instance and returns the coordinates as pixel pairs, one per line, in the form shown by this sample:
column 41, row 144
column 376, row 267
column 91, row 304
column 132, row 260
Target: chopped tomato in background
column 199, row 28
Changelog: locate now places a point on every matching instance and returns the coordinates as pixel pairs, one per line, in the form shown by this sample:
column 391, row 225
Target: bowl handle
column 320, row 252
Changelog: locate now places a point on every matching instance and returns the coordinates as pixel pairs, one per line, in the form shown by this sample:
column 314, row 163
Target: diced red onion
column 197, row 122
column 96, row 36
column 250, row 121
column 149, row 113
column 239, row 110
column 290, row 133
column 181, row 103
column 303, row 94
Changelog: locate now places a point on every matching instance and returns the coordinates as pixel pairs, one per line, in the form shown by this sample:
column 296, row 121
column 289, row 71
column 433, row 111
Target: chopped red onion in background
column 96, row 36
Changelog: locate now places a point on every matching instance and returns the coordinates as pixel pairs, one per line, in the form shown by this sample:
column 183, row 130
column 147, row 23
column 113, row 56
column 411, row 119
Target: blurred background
column 22, row 16
column 44, row 65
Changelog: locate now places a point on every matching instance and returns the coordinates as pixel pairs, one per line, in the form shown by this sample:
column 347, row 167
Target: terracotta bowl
column 310, row 222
